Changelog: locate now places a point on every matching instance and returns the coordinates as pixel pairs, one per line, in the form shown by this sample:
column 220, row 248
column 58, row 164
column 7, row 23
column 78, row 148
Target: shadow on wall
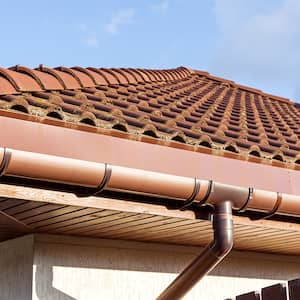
column 46, row 290
column 64, row 269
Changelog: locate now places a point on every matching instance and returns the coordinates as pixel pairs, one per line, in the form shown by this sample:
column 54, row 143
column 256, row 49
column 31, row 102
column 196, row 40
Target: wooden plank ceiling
column 25, row 209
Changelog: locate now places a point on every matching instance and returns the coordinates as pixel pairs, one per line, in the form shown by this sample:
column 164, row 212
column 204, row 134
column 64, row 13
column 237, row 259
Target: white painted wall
column 44, row 267
column 16, row 258
column 68, row 268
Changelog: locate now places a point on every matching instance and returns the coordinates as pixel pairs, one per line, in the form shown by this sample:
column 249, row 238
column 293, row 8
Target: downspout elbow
column 223, row 230
column 210, row 257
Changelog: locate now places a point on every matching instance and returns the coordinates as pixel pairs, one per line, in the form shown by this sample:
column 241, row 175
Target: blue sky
column 256, row 43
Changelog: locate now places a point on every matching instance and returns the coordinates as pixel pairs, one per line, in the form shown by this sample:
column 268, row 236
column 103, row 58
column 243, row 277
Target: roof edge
column 240, row 86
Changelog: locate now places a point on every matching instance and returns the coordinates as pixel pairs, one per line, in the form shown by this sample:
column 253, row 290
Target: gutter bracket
column 105, row 179
column 272, row 212
column 5, row 161
column 87, row 192
column 249, row 199
column 188, row 202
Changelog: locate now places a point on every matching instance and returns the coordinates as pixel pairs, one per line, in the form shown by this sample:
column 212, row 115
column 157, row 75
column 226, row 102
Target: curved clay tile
column 168, row 75
column 55, row 114
column 172, row 74
column 46, row 81
column 255, row 151
column 206, row 138
column 143, row 75
column 88, row 118
column 89, row 115
column 186, row 72
column 130, row 78
column 121, row 77
column 144, row 118
column 278, row 155
column 70, row 72
column 205, row 141
column 176, row 75
column 156, row 113
column 21, row 82
column 143, row 104
column 297, row 159
column 87, row 121
column 151, row 75
column 117, row 113
column 6, row 87
column 100, row 94
column 67, row 80
column 122, row 91
column 181, row 73
column 20, row 104
column 87, row 106
column 80, row 96
column 111, row 79
column 139, row 78
column 89, row 73
column 84, row 77
column 120, row 125
column 153, row 100
column 55, row 99
column 180, row 118
column 150, row 130
column 160, row 74
column 101, row 77
column 281, row 99
column 179, row 137
column 133, row 108
column 171, row 123
column 232, row 147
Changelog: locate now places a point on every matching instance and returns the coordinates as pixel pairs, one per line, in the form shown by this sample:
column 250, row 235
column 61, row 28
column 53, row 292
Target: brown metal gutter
column 212, row 255
column 74, row 172
column 99, row 176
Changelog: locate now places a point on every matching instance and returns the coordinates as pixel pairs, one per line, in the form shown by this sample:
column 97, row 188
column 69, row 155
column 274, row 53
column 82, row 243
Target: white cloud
column 161, row 6
column 91, row 40
column 121, row 18
column 260, row 42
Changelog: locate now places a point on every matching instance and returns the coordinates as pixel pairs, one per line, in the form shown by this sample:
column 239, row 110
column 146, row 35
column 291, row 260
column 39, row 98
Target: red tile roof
column 179, row 107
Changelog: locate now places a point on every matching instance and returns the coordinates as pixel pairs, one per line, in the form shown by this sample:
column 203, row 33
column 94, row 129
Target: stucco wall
column 68, row 268
column 16, row 258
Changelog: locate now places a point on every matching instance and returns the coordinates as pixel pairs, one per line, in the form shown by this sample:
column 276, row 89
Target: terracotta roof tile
column 65, row 79
column 22, row 82
column 181, row 107
column 7, row 87
column 46, row 81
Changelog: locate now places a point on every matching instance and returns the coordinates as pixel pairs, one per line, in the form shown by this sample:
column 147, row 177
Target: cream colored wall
column 16, row 258
column 68, row 268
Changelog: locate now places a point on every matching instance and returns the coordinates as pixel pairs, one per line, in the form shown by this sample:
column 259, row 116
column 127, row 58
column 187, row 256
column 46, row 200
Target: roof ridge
column 240, row 86
column 18, row 79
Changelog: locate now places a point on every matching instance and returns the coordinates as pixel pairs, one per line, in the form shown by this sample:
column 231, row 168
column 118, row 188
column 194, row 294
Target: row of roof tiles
column 176, row 106
column 22, row 79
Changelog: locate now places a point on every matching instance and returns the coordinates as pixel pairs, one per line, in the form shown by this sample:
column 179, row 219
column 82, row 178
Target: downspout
column 209, row 258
